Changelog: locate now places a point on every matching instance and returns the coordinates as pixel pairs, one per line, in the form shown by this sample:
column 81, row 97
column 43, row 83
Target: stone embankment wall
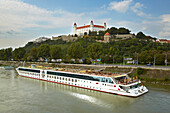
column 150, row 73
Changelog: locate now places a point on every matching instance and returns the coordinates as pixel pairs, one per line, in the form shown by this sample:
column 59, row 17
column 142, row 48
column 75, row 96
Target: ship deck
column 95, row 73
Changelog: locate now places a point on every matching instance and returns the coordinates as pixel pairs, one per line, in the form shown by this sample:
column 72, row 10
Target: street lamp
column 165, row 59
column 154, row 60
column 137, row 58
column 136, row 61
column 123, row 59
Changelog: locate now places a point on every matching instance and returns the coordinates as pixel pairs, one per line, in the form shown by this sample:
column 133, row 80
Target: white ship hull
column 106, row 87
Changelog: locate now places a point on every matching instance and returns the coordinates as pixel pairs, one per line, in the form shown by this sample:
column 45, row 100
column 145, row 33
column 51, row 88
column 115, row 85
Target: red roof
column 89, row 26
column 83, row 27
column 107, row 33
column 168, row 41
column 99, row 26
column 162, row 39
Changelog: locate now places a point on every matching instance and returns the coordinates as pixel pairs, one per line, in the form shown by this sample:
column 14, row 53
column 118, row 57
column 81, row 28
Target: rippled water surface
column 24, row 95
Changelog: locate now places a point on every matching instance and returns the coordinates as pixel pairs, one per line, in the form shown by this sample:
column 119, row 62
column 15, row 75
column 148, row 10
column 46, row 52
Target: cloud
column 159, row 28
column 137, row 9
column 12, row 32
column 103, row 6
column 165, row 22
column 165, row 18
column 125, row 5
column 22, row 21
column 17, row 15
column 121, row 6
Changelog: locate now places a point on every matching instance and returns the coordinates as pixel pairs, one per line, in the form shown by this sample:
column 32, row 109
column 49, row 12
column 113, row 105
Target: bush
column 139, row 71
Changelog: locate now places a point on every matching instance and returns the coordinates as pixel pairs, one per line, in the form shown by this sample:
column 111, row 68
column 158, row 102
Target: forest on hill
column 141, row 48
column 87, row 48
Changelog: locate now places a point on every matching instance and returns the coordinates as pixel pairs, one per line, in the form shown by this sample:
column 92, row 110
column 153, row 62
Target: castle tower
column 74, row 28
column 91, row 26
column 105, row 26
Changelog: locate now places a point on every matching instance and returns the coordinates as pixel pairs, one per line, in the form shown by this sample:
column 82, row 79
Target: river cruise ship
column 119, row 84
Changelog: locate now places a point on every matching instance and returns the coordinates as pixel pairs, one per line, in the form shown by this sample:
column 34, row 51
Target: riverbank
column 147, row 75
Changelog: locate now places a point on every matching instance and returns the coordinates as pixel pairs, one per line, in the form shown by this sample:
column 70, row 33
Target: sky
column 25, row 20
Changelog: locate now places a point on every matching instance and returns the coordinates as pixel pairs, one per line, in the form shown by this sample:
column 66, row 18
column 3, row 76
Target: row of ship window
column 85, row 77
column 69, row 79
column 59, row 78
column 28, row 73
column 73, row 81
column 66, row 79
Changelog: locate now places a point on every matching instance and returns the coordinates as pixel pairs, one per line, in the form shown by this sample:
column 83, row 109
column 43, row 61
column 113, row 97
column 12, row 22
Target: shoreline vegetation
column 153, row 76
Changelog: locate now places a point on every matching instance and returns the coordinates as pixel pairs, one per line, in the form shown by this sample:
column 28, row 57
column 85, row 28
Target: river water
column 24, row 95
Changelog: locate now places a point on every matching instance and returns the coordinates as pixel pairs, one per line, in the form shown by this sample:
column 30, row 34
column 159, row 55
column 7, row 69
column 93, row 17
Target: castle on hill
column 80, row 31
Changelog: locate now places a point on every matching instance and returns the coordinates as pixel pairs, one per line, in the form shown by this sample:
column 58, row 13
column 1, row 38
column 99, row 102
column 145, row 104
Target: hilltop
column 141, row 48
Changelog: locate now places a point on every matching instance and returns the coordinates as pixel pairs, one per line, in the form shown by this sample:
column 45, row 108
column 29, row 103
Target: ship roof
column 80, row 72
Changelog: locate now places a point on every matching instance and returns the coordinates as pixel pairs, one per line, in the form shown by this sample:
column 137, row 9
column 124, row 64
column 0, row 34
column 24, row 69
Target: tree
column 44, row 51
column 94, row 33
column 8, row 54
column 90, row 34
column 2, row 53
column 112, row 30
column 123, row 31
column 75, row 50
column 142, row 57
column 34, row 54
column 95, row 50
column 101, row 33
column 55, row 52
column 160, row 59
column 140, row 35
column 19, row 53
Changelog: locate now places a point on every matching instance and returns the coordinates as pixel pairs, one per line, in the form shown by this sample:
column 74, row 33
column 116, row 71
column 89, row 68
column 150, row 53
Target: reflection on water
column 19, row 94
column 91, row 99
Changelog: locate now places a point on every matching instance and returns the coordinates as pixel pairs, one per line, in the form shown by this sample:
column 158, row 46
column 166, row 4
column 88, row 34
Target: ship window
column 75, row 80
column 107, row 80
column 29, row 70
column 103, row 80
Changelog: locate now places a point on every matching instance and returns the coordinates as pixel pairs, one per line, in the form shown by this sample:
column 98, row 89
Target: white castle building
column 86, row 28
